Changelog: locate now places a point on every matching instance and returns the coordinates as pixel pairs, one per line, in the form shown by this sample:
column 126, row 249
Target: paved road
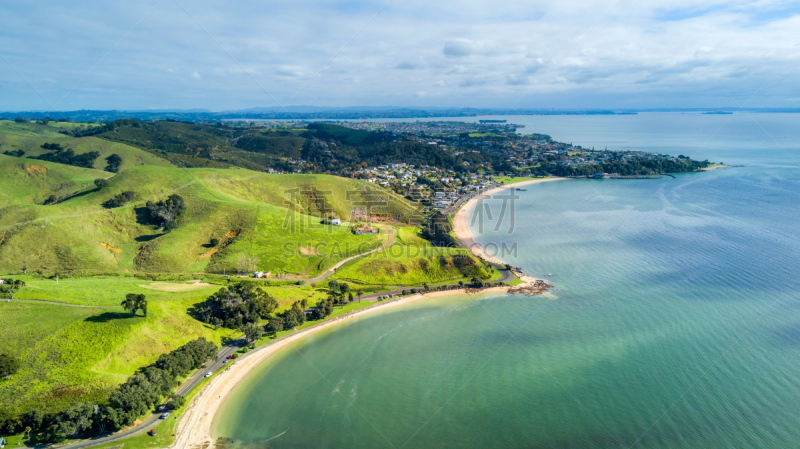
column 153, row 421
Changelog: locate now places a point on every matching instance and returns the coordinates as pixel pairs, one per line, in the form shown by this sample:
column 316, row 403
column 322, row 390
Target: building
column 364, row 230
column 336, row 222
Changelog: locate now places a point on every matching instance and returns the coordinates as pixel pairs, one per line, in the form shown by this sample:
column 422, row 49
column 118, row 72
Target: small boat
column 549, row 274
column 522, row 190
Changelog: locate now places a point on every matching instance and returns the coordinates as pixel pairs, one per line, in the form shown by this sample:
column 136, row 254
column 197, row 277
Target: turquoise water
column 675, row 322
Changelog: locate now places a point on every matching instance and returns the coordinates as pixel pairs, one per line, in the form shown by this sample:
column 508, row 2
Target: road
column 153, row 421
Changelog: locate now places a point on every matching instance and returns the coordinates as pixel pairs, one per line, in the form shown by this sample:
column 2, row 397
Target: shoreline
column 194, row 428
column 461, row 227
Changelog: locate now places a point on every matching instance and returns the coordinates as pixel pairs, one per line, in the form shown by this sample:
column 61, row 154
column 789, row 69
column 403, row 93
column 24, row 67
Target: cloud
column 457, row 49
column 406, row 65
column 447, row 53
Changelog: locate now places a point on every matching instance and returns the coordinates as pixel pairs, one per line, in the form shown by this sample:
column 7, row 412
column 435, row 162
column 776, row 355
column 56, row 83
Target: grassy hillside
column 412, row 261
column 74, row 354
column 245, row 211
column 29, row 138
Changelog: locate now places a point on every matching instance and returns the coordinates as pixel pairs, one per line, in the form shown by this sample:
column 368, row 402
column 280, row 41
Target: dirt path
column 389, row 242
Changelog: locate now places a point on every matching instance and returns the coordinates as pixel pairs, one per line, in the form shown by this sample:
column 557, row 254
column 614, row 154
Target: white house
column 336, row 222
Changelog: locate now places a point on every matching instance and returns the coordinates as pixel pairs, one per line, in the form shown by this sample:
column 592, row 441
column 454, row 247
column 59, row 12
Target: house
column 2, row 281
column 364, row 230
column 258, row 274
column 336, row 222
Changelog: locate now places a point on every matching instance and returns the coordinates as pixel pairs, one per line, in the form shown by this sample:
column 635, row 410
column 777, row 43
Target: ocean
column 674, row 321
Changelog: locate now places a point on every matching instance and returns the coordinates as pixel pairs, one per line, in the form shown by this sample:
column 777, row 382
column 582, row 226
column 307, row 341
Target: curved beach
column 461, row 225
column 194, row 428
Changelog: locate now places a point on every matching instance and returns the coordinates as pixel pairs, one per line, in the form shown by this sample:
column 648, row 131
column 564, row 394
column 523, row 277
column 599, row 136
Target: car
column 230, row 357
column 208, row 374
column 152, row 432
column 225, row 361
column 161, row 407
column 165, row 415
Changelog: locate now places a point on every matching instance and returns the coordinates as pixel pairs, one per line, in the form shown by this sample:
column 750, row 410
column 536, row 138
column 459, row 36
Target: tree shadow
column 142, row 215
column 147, row 238
column 110, row 316
column 73, row 196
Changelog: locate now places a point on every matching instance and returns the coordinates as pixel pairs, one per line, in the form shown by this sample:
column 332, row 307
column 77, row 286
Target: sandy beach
column 194, row 429
column 461, row 225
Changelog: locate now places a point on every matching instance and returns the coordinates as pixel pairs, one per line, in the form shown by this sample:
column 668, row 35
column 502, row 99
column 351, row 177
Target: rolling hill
column 246, row 213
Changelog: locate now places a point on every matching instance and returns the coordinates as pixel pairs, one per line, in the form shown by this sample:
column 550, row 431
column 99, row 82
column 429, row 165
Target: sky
column 565, row 54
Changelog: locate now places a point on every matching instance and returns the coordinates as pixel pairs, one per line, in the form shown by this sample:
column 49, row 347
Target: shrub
column 119, row 200
column 8, row 365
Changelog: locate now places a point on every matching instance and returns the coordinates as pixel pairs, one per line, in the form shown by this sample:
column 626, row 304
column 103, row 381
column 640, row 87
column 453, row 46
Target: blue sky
column 165, row 54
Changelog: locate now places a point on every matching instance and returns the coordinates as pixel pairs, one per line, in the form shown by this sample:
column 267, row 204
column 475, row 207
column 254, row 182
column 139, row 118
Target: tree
column 253, row 331
column 359, row 293
column 333, row 285
column 350, row 297
column 274, row 326
column 28, row 431
column 114, row 162
column 247, row 263
column 120, row 199
column 177, row 401
column 100, row 183
column 21, row 120
column 8, row 365
column 461, row 283
column 214, row 242
column 166, row 212
column 134, row 302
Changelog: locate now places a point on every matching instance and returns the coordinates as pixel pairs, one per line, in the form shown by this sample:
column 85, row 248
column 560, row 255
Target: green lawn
column 77, row 354
column 103, row 291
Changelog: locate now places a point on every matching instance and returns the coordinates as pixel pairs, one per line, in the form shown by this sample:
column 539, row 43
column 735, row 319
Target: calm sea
column 674, row 323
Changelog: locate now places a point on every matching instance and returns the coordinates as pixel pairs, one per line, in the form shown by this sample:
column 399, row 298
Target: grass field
column 409, row 261
column 72, row 354
column 100, row 290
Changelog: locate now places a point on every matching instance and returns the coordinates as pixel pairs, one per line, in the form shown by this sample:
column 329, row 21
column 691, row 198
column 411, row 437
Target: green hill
column 246, row 213
column 29, row 137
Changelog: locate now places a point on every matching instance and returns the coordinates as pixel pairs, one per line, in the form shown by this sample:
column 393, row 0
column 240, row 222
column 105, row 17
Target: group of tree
column 140, row 394
column 134, row 302
column 248, row 307
column 67, row 156
column 15, row 153
column 237, row 305
column 119, row 199
column 10, row 286
column 164, row 213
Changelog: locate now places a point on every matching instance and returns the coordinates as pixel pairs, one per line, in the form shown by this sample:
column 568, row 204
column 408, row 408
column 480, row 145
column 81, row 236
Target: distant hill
column 29, row 138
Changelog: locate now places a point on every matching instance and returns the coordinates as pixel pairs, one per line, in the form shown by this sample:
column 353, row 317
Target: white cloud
column 466, row 53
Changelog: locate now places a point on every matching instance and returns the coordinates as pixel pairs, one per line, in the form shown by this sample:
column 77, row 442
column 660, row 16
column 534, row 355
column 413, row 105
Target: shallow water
column 675, row 322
